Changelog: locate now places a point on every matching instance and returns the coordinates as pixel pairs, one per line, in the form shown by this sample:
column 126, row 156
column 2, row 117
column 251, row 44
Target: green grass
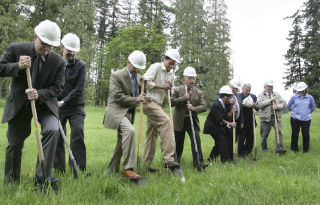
column 289, row 179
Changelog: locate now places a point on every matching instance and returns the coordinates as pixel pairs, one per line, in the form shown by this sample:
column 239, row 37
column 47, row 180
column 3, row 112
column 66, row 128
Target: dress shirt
column 133, row 83
column 157, row 75
column 301, row 107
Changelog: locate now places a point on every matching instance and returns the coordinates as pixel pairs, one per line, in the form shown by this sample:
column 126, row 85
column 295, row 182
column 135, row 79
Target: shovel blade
column 139, row 182
column 177, row 172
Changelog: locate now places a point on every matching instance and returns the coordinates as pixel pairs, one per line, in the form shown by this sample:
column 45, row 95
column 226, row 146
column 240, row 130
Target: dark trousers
column 295, row 127
column 223, row 144
column 245, row 143
column 180, row 136
column 19, row 128
column 75, row 115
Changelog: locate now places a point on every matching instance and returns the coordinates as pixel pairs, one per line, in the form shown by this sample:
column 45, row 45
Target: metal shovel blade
column 139, row 182
column 177, row 172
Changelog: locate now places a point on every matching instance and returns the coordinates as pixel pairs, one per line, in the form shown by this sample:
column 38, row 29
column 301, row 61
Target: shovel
column 278, row 149
column 74, row 163
column 234, row 137
column 194, row 139
column 254, row 136
column 177, row 172
column 37, row 127
column 141, row 181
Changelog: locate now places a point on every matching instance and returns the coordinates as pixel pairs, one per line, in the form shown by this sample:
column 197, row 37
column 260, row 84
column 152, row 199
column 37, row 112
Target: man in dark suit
column 123, row 99
column 47, row 70
column 71, row 104
column 245, row 143
column 187, row 98
column 216, row 125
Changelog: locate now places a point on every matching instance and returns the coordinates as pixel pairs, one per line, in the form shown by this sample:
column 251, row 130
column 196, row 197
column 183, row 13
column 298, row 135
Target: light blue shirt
column 301, row 108
column 133, row 83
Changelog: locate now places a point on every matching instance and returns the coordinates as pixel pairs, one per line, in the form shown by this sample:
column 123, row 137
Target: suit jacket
column 178, row 100
column 215, row 118
column 265, row 105
column 50, row 81
column 120, row 99
column 246, row 112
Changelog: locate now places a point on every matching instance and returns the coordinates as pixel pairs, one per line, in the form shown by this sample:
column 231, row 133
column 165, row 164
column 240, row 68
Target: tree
column 303, row 55
column 128, row 40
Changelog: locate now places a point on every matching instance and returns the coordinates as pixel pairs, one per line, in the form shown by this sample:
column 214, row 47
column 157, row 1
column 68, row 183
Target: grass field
column 289, row 179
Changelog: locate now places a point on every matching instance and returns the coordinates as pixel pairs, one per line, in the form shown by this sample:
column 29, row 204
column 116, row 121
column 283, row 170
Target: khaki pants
column 158, row 123
column 125, row 147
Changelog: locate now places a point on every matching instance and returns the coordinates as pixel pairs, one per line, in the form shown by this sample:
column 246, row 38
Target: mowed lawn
column 289, row 179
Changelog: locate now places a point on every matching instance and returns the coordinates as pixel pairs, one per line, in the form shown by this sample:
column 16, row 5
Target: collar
column 222, row 103
column 265, row 93
column 186, row 87
column 130, row 75
column 163, row 68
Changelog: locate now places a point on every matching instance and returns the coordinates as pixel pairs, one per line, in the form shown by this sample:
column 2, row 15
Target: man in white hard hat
column 187, row 98
column 71, row 104
column 159, row 78
column 123, row 99
column 267, row 118
column 245, row 141
column 301, row 106
column 47, row 70
column 217, row 124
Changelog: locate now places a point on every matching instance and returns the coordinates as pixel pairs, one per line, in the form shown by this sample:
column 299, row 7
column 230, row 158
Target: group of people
column 58, row 83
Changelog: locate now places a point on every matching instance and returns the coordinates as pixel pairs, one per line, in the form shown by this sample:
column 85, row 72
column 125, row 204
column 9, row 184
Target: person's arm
column 312, row 104
column 80, row 85
column 263, row 101
column 290, row 103
column 202, row 107
column 281, row 103
column 9, row 67
column 177, row 100
column 119, row 96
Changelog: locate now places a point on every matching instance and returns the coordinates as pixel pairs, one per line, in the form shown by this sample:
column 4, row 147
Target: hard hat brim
column 47, row 41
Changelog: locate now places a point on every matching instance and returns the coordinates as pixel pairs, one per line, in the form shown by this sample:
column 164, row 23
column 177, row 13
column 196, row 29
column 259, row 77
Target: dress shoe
column 152, row 170
column 203, row 165
column 42, row 185
column 130, row 174
column 171, row 165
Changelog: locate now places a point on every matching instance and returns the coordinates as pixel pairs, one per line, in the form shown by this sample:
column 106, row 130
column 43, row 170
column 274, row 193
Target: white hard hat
column 225, row 90
column 301, row 86
column 173, row 54
column 235, row 83
column 189, row 71
column 48, row 32
column 138, row 59
column 269, row 82
column 71, row 42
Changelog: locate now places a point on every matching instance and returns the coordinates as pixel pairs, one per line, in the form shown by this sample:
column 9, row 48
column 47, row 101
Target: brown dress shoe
column 130, row 174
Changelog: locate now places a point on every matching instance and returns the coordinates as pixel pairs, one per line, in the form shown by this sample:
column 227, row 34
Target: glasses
column 43, row 44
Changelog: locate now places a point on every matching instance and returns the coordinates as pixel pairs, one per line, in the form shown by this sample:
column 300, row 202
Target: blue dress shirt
column 301, row 108
column 133, row 83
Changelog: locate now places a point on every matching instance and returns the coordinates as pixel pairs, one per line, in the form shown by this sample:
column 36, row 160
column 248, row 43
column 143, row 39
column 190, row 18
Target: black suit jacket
column 50, row 82
column 246, row 112
column 214, row 118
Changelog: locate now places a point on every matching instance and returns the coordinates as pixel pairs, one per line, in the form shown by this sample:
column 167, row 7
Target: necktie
column 34, row 73
column 188, row 90
column 269, row 95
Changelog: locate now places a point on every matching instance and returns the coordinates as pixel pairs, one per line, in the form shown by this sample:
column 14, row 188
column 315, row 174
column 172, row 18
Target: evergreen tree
column 303, row 56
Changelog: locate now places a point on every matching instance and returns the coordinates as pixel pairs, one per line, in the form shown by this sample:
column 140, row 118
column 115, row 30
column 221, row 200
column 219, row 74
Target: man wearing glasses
column 47, row 72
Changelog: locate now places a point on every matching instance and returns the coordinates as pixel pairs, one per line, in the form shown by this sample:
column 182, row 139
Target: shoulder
column 79, row 62
column 53, row 56
column 155, row 66
column 120, row 73
column 21, row 47
column 177, row 89
column 198, row 91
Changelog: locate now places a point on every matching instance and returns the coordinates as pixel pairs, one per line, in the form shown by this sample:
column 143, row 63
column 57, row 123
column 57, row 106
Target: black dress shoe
column 42, row 184
column 152, row 170
column 203, row 165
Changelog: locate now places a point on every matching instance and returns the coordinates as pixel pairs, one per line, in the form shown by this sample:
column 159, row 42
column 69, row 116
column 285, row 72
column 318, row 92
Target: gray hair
column 246, row 85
